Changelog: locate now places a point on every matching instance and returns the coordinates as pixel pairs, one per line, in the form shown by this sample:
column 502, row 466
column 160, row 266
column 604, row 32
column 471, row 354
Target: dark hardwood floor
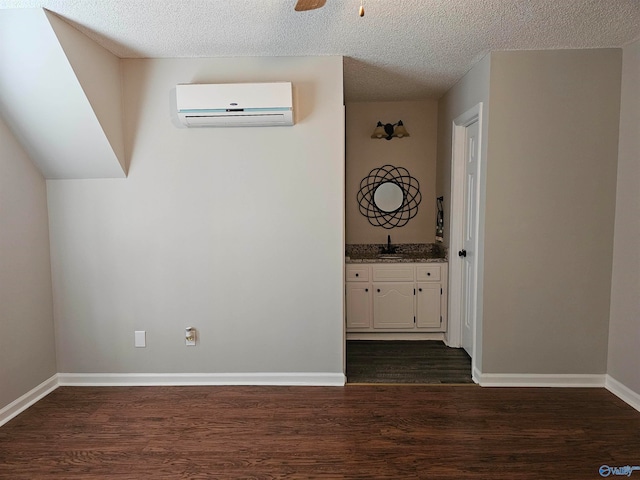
column 399, row 432
column 397, row 361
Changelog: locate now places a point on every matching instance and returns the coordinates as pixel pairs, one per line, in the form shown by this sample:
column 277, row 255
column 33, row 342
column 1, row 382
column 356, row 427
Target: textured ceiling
column 400, row 49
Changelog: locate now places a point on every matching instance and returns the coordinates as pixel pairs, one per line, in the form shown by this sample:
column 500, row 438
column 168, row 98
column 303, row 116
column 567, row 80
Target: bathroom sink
column 390, row 256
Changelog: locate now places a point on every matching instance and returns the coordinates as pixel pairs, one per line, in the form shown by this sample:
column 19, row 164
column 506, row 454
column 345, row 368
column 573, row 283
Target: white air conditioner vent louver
column 235, row 105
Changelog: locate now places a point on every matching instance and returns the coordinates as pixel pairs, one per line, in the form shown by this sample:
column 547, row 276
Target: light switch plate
column 140, row 338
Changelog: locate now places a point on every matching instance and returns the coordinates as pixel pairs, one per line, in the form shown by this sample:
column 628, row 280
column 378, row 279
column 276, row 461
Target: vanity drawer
column 428, row 273
column 357, row 273
column 393, row 273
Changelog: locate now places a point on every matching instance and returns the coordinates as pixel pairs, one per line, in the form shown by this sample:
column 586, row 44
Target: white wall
column 44, row 103
column 624, row 327
column 550, row 203
column 98, row 72
column 416, row 153
column 550, row 138
column 238, row 232
column 27, row 350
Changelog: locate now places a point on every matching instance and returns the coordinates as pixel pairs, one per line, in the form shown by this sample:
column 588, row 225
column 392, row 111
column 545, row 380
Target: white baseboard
column 538, row 380
column 623, row 392
column 25, row 401
column 449, row 343
column 396, row 336
column 295, row 379
column 181, row 379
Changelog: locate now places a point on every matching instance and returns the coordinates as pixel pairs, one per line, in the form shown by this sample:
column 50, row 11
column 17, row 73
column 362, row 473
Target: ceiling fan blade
column 304, row 5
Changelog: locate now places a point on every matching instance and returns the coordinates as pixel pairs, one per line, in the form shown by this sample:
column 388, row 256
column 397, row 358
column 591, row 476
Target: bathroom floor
column 397, row 361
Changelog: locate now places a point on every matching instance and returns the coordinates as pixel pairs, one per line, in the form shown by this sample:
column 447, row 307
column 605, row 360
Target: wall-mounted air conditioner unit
column 235, row 105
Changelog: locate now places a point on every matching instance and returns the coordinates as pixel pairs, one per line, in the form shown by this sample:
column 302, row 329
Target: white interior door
column 468, row 252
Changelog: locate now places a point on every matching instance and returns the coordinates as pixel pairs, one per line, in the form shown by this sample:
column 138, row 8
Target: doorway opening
column 407, row 361
column 384, row 303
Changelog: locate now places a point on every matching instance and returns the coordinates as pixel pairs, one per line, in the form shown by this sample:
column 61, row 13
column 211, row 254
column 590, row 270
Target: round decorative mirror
column 388, row 197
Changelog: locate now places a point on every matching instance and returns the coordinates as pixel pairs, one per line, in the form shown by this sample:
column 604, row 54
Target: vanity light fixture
column 390, row 130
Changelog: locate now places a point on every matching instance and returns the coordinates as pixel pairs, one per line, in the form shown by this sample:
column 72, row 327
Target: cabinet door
column 358, row 305
column 428, row 305
column 393, row 305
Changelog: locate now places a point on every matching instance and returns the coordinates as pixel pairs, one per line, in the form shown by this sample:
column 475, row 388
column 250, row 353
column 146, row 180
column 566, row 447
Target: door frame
column 456, row 222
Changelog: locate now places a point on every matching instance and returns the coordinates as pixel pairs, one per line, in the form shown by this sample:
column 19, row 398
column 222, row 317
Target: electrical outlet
column 190, row 337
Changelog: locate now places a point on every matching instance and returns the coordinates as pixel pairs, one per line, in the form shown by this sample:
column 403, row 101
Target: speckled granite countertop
column 404, row 253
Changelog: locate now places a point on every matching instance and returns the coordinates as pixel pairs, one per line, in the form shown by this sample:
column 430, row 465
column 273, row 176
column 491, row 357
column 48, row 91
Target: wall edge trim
column 28, row 399
column 476, row 375
column 325, row 379
column 541, row 380
column 623, row 392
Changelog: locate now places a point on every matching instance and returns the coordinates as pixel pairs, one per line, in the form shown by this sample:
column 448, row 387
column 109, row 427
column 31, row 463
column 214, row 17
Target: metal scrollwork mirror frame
column 383, row 217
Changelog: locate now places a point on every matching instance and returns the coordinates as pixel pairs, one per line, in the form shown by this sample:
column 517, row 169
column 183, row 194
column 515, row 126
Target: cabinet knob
column 419, row 289
column 378, row 290
column 428, row 274
column 357, row 274
column 366, row 289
